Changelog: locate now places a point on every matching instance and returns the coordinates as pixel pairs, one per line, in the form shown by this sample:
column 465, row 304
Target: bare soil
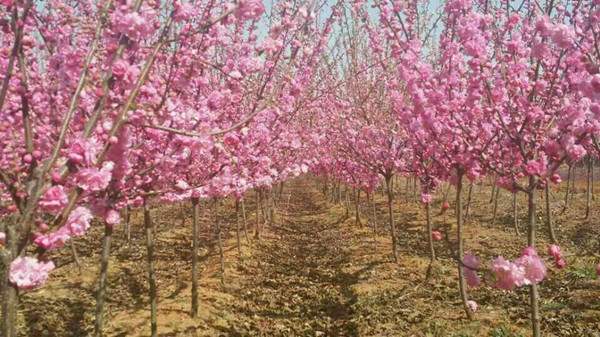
column 315, row 272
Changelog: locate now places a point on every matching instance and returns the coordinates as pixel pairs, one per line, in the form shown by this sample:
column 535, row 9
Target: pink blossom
column 508, row 275
column 436, row 235
column 54, row 200
column 53, row 240
column 79, row 221
column 555, row 251
column 215, row 100
column 555, row 178
column 560, row 263
column 563, row 36
column 249, row 9
column 533, row 266
column 112, row 217
column 83, row 151
column 93, row 179
column 28, row 272
column 183, row 11
column 471, row 263
column 6, row 3
column 426, row 198
column 472, row 305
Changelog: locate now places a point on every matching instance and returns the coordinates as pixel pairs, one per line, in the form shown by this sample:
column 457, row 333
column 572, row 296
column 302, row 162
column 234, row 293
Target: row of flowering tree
column 479, row 88
column 114, row 104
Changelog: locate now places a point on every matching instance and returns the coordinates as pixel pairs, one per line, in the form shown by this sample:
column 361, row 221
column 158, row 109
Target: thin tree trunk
column 432, row 256
column 495, row 210
column 549, row 222
column 245, row 220
column 219, row 241
column 237, row 227
column 127, row 225
column 391, row 218
column 195, row 217
column 10, row 297
column 567, row 191
column 358, row 207
column 573, row 179
column 515, row 214
column 100, row 295
column 588, row 193
column 258, row 213
column 459, row 237
column 150, row 230
column 468, row 208
column 533, row 289
column 75, row 255
column 493, row 190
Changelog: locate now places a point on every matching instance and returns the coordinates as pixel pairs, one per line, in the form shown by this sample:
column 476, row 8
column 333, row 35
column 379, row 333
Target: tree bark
column 549, row 222
column 459, row 237
column 391, row 217
column 588, row 194
column 567, row 190
column 237, row 227
column 195, row 217
column 533, row 289
column 245, row 220
column 469, row 195
column 429, row 230
column 102, row 280
column 515, row 214
column 358, row 207
column 219, row 240
column 150, row 230
column 10, row 299
column 127, row 225
column 495, row 210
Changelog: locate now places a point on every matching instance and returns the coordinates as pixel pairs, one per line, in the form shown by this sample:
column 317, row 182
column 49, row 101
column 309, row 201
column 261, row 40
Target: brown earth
column 317, row 273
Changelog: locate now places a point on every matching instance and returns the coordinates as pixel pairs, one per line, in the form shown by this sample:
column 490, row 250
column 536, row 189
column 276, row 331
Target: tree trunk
column 429, row 230
column 127, row 226
column 100, row 295
column 358, row 207
column 495, row 210
column 150, row 230
column 459, row 237
column 195, row 217
column 549, row 222
column 567, row 190
column 258, row 213
column 219, row 240
column 493, row 190
column 469, row 194
column 10, row 297
column 75, row 255
column 245, row 220
column 515, row 214
column 533, row 289
column 588, row 194
column 391, row 217
column 237, row 227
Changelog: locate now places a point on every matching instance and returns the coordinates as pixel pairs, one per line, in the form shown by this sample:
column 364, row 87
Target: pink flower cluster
column 54, row 200
column 93, row 179
column 526, row 270
column 471, row 264
column 77, row 224
column 249, row 9
column 436, row 235
column 556, row 253
column 28, row 272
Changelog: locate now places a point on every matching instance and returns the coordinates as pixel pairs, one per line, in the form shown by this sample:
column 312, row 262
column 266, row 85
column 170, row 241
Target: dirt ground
column 315, row 272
